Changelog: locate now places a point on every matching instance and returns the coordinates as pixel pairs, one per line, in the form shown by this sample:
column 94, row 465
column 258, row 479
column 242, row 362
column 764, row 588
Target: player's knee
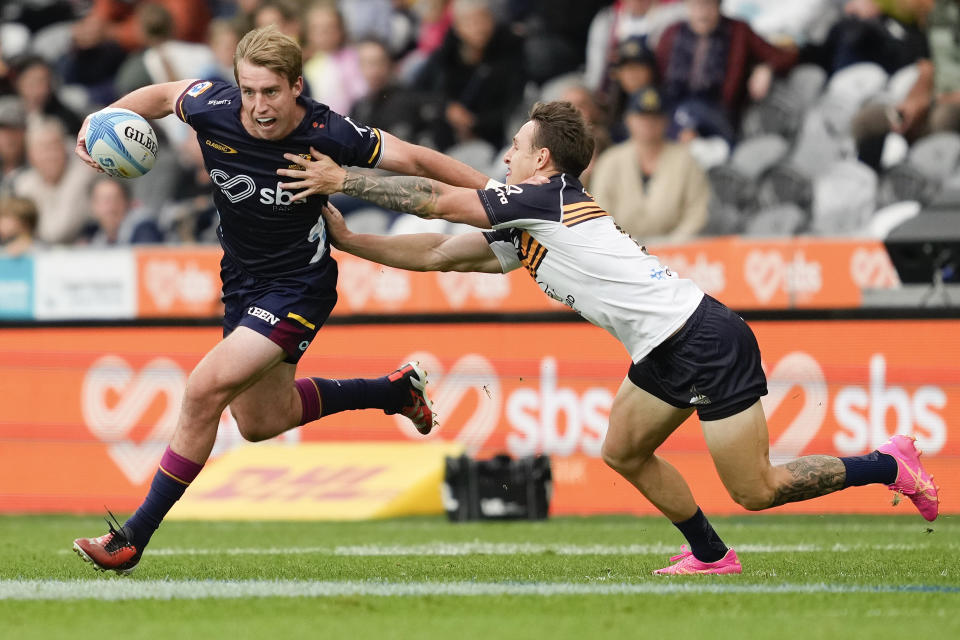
column 754, row 499
column 251, row 426
column 211, row 389
column 622, row 458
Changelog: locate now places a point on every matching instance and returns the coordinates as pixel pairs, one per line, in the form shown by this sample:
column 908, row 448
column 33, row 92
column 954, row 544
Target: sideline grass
column 846, row 554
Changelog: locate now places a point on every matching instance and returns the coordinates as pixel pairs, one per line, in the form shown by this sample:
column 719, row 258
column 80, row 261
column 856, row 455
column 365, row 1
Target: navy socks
column 172, row 478
column 704, row 542
column 875, row 467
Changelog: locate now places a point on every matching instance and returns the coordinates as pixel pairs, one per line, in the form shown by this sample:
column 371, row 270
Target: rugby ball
column 121, row 142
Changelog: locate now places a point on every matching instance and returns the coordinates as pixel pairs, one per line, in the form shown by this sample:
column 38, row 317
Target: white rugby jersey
column 578, row 255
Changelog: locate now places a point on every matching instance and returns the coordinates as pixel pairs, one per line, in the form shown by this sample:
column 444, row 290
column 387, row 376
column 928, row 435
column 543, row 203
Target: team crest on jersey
column 305, row 156
column 199, row 88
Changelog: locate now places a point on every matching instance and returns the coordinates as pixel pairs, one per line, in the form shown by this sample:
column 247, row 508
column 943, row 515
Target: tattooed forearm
column 810, row 476
column 412, row 195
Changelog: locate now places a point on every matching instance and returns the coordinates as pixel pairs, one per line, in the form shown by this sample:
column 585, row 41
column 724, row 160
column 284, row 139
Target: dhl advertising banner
column 86, row 413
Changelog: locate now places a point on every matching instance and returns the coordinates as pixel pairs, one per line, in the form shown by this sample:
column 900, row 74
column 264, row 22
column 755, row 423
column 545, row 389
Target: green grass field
column 804, row 577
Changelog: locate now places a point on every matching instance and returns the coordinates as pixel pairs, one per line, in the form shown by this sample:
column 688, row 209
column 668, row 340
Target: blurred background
column 798, row 160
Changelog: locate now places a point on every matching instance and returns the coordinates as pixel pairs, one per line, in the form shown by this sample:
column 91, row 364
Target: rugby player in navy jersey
column 688, row 351
column 279, row 281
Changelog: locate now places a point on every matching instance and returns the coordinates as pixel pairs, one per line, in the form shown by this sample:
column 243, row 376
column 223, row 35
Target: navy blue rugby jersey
column 261, row 230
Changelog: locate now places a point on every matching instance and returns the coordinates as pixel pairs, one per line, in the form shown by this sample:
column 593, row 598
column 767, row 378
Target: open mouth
column 265, row 123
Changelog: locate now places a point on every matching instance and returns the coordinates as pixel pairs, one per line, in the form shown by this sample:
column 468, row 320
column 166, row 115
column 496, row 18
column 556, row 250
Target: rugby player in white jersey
column 688, row 351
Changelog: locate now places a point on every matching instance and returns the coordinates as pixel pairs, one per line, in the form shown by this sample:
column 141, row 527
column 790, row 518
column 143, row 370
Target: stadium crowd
column 760, row 117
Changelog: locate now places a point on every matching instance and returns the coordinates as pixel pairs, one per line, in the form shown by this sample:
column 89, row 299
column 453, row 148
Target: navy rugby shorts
column 288, row 310
column 712, row 363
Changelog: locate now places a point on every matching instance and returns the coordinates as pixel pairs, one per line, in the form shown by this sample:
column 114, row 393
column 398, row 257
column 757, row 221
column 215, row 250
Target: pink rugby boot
column 912, row 480
column 687, row 564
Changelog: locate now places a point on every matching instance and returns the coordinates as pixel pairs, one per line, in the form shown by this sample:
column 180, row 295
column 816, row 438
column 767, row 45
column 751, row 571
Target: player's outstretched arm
column 416, row 160
column 414, row 251
column 152, row 102
column 422, row 197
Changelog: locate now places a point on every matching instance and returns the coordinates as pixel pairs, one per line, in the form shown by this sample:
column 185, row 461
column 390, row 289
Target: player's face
column 270, row 109
column 522, row 159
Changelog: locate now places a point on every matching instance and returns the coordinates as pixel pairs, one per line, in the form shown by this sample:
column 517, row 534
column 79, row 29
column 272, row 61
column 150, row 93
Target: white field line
column 122, row 589
column 507, row 549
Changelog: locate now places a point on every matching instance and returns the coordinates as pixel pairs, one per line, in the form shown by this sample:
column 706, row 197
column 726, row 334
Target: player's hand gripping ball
column 121, row 142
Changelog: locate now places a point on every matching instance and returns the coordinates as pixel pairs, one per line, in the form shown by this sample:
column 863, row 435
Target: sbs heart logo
column 793, row 370
column 471, row 373
column 112, row 423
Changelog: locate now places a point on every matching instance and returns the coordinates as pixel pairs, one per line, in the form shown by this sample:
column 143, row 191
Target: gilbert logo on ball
column 121, row 142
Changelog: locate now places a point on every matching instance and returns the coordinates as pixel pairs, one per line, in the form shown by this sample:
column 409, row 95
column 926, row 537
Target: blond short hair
column 269, row 47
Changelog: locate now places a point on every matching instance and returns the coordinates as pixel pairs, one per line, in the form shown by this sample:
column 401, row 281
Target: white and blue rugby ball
column 121, row 142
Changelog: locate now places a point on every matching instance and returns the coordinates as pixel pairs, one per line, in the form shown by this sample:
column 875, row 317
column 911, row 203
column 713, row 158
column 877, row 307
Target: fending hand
column 317, row 175
column 337, row 230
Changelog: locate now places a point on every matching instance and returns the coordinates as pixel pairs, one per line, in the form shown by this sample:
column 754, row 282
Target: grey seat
column 844, row 198
column 784, row 183
column 730, row 187
column 782, row 220
column 754, row 156
column 474, row 153
column 936, row 155
column 847, row 90
column 905, row 182
column 817, row 145
column 806, row 83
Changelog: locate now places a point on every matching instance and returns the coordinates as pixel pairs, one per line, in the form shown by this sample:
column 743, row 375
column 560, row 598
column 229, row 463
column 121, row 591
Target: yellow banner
column 354, row 481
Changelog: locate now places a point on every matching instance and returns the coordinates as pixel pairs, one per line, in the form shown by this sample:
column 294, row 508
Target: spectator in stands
column 479, row 71
column 435, row 18
column 555, row 34
column 391, row 22
column 651, row 187
column 190, row 214
column 405, row 113
column 18, row 226
column 634, row 67
column 114, row 224
column 286, row 14
column 57, row 181
column 116, row 20
column 164, row 59
column 645, row 19
column 222, row 39
column 34, row 81
column 13, row 156
column 709, row 64
column 933, row 103
column 593, row 114
column 92, row 60
column 786, row 22
column 886, row 32
column 330, row 64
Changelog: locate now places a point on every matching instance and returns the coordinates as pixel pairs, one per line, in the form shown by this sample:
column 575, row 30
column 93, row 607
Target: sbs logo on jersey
column 240, row 187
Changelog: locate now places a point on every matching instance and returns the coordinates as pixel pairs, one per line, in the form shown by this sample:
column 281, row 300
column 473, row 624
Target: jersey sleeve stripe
column 577, row 206
column 581, row 219
column 376, row 149
column 574, row 217
column 582, row 212
column 180, row 113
